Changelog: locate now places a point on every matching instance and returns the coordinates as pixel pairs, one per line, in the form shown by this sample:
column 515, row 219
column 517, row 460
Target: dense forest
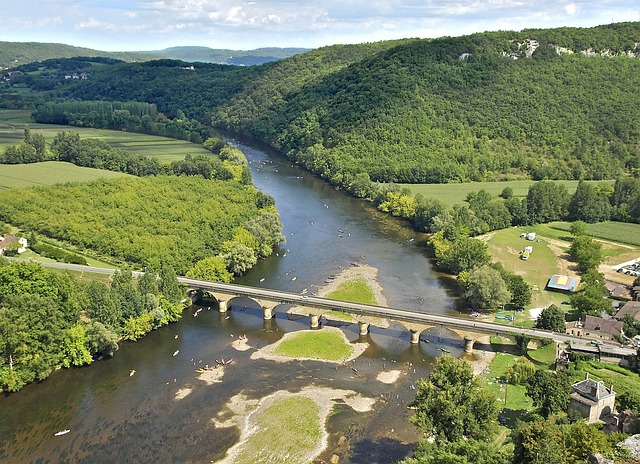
column 177, row 220
column 48, row 319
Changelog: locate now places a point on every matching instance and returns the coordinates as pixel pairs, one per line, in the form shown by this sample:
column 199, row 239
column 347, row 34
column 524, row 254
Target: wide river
column 115, row 416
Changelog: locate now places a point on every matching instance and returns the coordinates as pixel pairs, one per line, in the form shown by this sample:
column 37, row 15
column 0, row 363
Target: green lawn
column 515, row 395
column 545, row 355
column 451, row 194
column 48, row 173
column 315, row 344
column 505, row 245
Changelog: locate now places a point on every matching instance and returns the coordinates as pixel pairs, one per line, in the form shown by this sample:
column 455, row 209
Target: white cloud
column 146, row 24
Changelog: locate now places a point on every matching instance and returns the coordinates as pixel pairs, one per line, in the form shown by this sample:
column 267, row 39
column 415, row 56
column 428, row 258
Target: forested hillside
column 456, row 109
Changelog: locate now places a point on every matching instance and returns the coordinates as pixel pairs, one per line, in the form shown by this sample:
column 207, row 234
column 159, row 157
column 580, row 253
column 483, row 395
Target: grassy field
column 355, row 290
column 515, row 395
column 163, row 148
column 286, row 432
column 48, row 173
column 621, row 232
column 451, row 194
column 545, row 355
column 325, row 345
column 546, row 259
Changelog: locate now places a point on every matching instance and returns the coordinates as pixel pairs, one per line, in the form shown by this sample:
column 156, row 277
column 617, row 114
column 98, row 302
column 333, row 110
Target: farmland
column 163, row 148
column 621, row 232
column 48, row 173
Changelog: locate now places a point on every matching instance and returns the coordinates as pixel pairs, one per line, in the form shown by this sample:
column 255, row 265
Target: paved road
column 403, row 315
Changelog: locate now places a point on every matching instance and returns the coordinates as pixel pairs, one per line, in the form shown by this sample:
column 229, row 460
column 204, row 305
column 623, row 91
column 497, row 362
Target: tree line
column 48, row 319
column 97, row 153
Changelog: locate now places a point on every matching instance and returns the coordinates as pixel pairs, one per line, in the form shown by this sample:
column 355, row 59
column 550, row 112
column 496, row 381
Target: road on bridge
column 357, row 309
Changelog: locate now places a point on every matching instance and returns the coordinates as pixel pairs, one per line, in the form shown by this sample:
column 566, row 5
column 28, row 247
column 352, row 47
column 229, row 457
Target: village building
column 630, row 308
column 592, row 400
column 595, row 328
column 6, row 240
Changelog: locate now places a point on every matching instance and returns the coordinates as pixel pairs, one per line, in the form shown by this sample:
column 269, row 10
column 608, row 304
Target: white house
column 7, row 239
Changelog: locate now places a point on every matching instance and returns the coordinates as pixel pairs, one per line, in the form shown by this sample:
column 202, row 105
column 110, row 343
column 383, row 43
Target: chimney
column 586, row 377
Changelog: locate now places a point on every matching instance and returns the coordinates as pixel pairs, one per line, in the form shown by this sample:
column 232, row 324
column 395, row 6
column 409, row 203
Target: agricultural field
column 620, row 232
column 451, row 194
column 163, row 148
column 48, row 173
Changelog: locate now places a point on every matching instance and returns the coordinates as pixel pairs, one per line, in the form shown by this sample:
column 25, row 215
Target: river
column 118, row 416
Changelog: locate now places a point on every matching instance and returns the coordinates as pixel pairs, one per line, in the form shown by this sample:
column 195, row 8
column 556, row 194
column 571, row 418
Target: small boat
column 131, row 372
column 262, row 280
column 444, row 350
column 175, row 352
column 62, row 432
column 201, row 370
column 293, row 279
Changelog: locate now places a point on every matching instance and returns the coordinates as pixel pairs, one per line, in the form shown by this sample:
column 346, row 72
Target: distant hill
column 18, row 53
column 225, row 56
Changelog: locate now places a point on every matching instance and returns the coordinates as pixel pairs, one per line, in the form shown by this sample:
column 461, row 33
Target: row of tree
column 97, row 153
column 48, row 319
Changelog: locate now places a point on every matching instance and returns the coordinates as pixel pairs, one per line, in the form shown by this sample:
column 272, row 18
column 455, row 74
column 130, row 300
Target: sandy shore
column 241, row 412
column 485, row 357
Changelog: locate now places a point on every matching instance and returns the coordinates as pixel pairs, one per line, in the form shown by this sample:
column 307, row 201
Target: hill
column 226, row 56
column 556, row 104
column 535, row 104
column 14, row 54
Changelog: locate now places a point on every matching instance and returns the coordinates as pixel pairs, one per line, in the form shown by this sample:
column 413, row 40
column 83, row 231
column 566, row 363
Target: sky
column 137, row 25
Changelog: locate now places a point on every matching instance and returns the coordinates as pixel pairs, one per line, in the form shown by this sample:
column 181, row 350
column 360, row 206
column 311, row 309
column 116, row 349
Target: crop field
column 48, row 173
column 163, row 148
column 451, row 194
column 622, row 232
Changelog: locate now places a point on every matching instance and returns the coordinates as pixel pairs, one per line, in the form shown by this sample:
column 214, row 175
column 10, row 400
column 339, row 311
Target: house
column 595, row 328
column 592, row 400
column 631, row 308
column 7, row 239
column 617, row 291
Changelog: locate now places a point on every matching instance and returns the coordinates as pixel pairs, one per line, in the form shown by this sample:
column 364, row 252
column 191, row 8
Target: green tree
column 551, row 318
column 451, row 405
column 485, row 288
column 549, row 391
column 463, row 254
column 538, row 442
column 213, row 269
column 75, row 347
column 546, row 202
column 168, row 284
column 589, row 205
column 239, row 258
column 459, row 452
column 586, row 252
column 578, row 228
column 520, row 372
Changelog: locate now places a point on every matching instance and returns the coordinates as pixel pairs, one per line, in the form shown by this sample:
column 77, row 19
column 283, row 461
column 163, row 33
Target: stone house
column 592, row 400
column 6, row 240
column 595, row 328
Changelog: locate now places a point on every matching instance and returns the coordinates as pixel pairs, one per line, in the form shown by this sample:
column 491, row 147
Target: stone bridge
column 365, row 315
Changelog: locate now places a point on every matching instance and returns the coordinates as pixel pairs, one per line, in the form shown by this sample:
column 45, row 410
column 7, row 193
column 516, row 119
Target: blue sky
column 120, row 25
